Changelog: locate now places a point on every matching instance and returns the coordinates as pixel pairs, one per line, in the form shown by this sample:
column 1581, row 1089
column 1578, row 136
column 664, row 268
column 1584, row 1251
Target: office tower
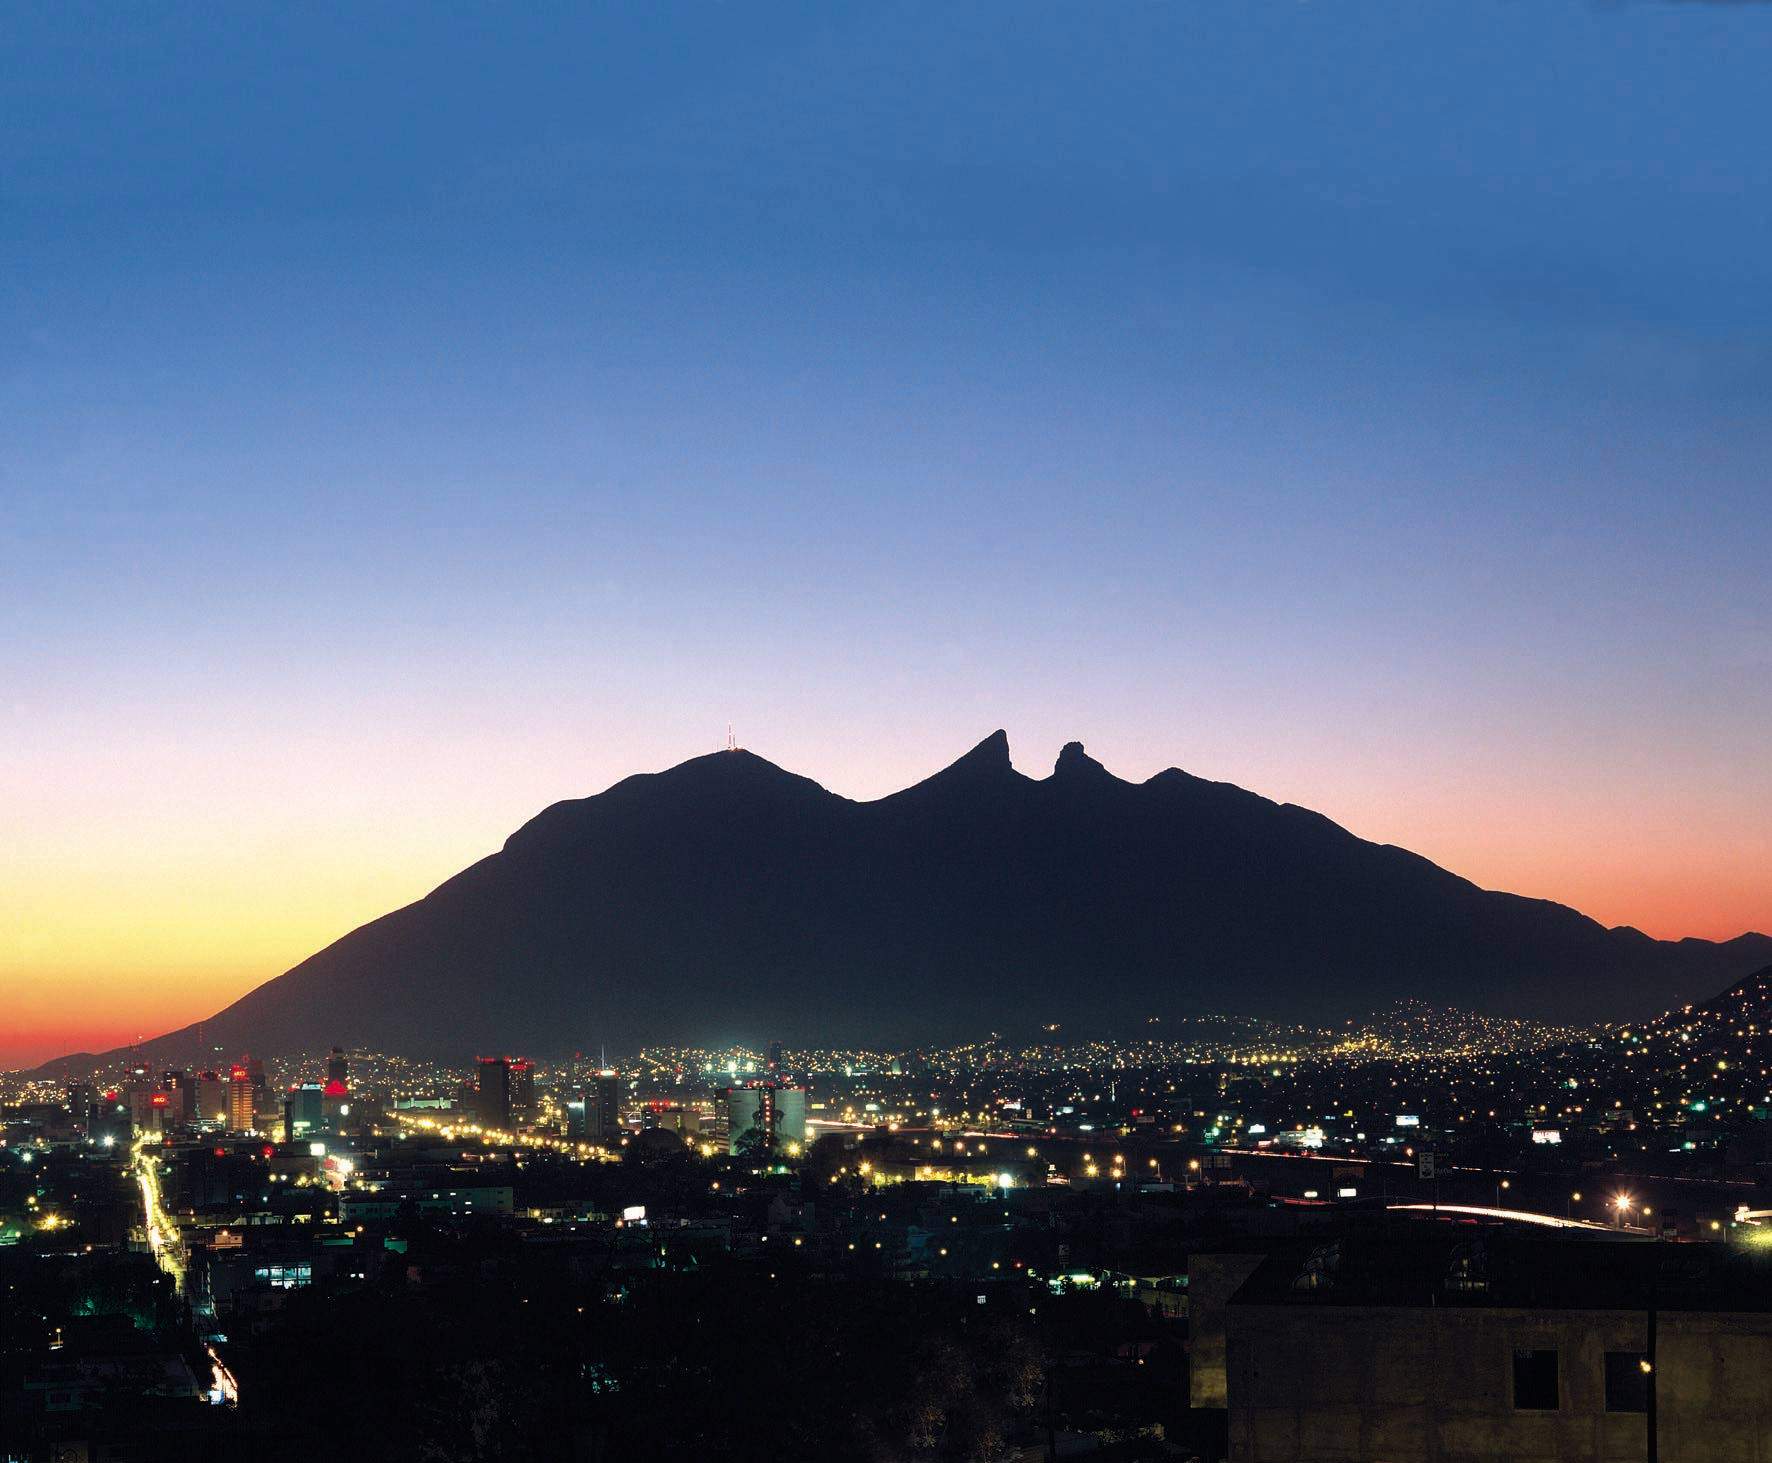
column 82, row 1103
column 774, row 1060
column 338, row 1072
column 492, row 1095
column 146, row 1115
column 303, row 1111
column 594, row 1113
column 603, row 1106
column 522, row 1089
column 242, row 1099
column 212, row 1098
column 183, row 1090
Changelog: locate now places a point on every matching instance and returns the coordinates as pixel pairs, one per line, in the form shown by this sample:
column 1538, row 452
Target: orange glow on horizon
column 130, row 921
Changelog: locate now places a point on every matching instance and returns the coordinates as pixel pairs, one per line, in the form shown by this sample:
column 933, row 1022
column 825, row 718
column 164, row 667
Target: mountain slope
column 728, row 900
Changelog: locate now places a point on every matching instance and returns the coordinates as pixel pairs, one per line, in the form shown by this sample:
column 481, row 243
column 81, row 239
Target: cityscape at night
column 1006, row 732
column 1061, row 1226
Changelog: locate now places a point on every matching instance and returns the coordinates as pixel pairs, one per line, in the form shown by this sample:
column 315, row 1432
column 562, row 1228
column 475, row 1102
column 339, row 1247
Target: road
column 163, row 1236
column 169, row 1251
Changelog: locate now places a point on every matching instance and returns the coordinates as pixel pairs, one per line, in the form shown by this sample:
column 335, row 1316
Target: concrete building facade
column 1325, row 1367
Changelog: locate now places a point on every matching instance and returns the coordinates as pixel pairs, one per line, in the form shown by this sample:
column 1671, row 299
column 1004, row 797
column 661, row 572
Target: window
column 1627, row 1381
column 1535, row 1381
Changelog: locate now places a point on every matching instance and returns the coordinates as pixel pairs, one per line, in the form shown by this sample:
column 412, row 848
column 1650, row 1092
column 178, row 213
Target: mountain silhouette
column 727, row 900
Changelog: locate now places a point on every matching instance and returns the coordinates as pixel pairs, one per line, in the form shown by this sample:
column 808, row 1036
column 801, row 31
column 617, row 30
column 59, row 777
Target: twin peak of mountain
column 991, row 756
column 986, row 763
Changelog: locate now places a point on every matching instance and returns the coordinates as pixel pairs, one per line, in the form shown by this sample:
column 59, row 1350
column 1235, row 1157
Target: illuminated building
column 522, row 1088
column 790, row 1115
column 212, row 1098
column 242, row 1101
column 149, row 1108
column 338, row 1069
column 765, row 1117
column 673, row 1117
column 595, row 1113
column 303, row 1111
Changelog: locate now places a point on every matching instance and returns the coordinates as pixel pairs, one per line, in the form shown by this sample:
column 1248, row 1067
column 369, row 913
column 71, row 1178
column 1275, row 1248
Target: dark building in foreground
column 492, row 1095
column 1479, row 1349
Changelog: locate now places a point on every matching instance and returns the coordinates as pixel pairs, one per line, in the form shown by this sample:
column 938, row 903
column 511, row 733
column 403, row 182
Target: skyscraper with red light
column 242, row 1098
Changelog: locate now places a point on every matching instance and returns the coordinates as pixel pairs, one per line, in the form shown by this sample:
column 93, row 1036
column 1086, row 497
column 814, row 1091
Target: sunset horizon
column 198, row 969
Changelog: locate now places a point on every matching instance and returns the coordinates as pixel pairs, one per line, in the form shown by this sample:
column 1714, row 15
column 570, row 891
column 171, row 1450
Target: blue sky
column 412, row 416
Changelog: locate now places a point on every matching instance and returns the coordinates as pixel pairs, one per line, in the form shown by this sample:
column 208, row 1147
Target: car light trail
column 1520, row 1216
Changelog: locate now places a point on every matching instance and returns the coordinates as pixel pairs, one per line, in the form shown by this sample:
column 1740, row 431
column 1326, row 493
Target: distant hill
column 1716, row 1029
column 728, row 900
column 1705, row 1060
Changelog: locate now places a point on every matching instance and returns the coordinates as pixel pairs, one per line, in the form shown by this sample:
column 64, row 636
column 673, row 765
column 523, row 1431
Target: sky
column 413, row 415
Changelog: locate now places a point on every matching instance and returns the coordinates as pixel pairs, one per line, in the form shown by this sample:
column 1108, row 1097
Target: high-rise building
column 179, row 1084
column 147, row 1107
column 594, row 1113
column 212, row 1098
column 492, row 1095
column 303, row 1111
column 82, row 1104
column 603, row 1106
column 522, row 1089
column 242, row 1099
column 338, row 1071
column 774, row 1059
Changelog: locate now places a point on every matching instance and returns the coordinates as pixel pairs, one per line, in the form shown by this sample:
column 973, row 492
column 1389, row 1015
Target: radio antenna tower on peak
column 731, row 745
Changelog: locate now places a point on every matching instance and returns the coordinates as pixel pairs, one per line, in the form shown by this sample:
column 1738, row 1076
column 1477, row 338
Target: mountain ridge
column 729, row 899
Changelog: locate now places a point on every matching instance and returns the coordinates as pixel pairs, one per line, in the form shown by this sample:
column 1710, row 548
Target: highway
column 1526, row 1216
